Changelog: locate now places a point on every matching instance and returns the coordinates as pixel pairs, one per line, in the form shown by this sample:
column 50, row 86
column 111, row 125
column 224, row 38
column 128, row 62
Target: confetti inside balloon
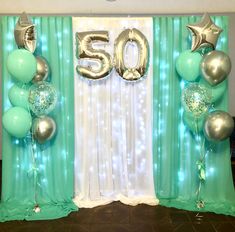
column 42, row 98
column 196, row 99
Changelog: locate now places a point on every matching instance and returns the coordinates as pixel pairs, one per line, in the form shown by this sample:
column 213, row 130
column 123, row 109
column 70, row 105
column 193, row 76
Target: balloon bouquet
column 31, row 96
column 205, row 69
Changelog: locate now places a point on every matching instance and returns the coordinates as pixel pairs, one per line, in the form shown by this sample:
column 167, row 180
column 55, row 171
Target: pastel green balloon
column 17, row 121
column 19, row 96
column 194, row 124
column 217, row 91
column 22, row 65
column 188, row 65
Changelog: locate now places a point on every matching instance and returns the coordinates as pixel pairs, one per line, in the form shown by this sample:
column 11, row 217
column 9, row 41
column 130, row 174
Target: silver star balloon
column 204, row 33
column 25, row 33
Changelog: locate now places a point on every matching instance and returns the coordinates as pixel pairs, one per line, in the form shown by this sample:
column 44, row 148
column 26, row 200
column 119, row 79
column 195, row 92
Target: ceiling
column 89, row 7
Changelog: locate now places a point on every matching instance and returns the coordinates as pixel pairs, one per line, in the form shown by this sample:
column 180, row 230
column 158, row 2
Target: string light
column 119, row 108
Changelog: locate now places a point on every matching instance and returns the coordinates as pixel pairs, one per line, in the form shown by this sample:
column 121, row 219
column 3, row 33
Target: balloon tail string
column 35, row 170
column 200, row 165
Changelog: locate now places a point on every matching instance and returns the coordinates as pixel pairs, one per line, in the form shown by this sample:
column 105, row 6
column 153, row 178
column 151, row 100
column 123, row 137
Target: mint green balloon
column 22, row 65
column 188, row 65
column 193, row 123
column 217, row 91
column 19, row 96
column 17, row 121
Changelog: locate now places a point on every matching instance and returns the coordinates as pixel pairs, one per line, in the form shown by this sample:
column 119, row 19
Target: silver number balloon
column 43, row 129
column 131, row 35
column 42, row 70
column 218, row 126
column 25, row 33
column 86, row 51
column 215, row 67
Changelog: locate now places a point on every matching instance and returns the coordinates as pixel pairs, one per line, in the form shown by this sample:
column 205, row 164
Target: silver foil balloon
column 25, row 33
column 218, row 126
column 204, row 33
column 215, row 67
column 137, row 72
column 42, row 70
column 43, row 129
column 86, row 51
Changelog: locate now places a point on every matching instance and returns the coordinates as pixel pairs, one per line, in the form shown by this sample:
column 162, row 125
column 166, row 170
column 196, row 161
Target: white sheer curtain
column 113, row 126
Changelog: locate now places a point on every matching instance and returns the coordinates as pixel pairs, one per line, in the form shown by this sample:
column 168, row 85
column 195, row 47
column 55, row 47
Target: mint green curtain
column 174, row 147
column 53, row 191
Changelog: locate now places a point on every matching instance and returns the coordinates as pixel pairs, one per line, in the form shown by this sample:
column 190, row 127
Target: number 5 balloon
column 86, row 51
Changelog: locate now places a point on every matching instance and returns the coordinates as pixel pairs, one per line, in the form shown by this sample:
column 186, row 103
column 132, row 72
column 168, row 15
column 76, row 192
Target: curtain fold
column 175, row 149
column 113, row 137
column 54, row 160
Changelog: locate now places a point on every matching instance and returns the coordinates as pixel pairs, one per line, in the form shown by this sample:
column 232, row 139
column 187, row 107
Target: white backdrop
column 113, row 125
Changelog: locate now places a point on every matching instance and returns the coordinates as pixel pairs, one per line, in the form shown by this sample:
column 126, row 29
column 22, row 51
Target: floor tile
column 186, row 227
column 109, row 228
column 148, row 214
column 83, row 216
column 204, row 227
column 178, row 218
column 223, row 227
column 163, row 227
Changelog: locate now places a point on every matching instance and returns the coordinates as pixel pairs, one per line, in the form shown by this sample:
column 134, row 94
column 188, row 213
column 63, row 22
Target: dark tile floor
column 117, row 217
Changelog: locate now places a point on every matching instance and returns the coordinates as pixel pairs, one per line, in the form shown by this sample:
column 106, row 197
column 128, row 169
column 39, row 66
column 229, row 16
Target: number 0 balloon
column 135, row 73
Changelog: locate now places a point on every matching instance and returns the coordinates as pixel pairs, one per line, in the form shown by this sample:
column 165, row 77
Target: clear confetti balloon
column 42, row 98
column 196, row 99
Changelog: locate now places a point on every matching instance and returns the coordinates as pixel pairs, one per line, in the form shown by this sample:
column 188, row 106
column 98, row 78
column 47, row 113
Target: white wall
column 116, row 7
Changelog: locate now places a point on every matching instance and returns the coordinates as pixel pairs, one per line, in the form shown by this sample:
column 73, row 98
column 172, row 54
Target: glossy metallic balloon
column 99, row 56
column 204, row 33
column 43, row 129
column 25, row 33
column 218, row 126
column 135, row 73
column 42, row 70
column 215, row 67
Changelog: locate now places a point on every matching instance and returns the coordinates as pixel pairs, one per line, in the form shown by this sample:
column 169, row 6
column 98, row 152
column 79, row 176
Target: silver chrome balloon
column 204, row 33
column 218, row 126
column 42, row 70
column 43, row 129
column 25, row 33
column 215, row 67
